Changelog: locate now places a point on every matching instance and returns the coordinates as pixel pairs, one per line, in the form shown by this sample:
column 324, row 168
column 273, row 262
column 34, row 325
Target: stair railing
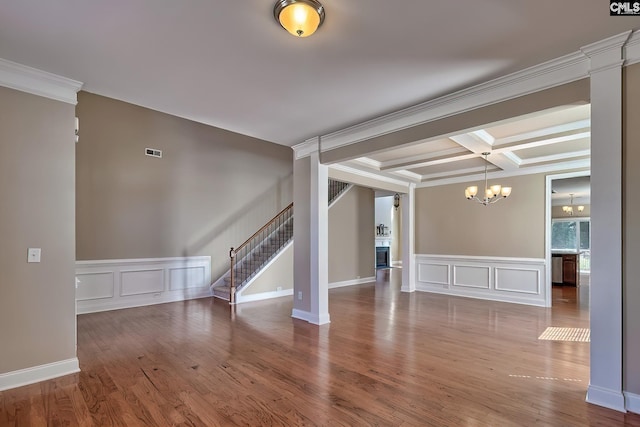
column 336, row 188
column 246, row 259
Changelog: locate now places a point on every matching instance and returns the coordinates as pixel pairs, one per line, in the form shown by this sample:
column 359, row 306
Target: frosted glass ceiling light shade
column 299, row 17
column 492, row 194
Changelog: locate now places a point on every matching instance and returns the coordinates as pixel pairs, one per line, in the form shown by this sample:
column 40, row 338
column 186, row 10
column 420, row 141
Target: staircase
column 250, row 257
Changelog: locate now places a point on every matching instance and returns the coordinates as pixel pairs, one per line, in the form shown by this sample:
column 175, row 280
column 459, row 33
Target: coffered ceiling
column 556, row 139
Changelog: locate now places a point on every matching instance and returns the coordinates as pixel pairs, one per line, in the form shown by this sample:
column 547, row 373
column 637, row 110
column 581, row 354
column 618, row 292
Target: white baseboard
column 605, row 397
column 104, row 285
column 310, row 317
column 263, row 295
column 38, row 373
column 352, row 282
column 396, row 263
column 632, row 402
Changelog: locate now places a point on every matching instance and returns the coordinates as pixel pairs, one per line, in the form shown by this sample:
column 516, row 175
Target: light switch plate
column 33, row 255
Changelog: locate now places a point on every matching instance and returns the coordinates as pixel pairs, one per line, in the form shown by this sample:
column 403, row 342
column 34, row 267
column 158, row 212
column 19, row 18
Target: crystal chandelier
column 492, row 194
column 569, row 209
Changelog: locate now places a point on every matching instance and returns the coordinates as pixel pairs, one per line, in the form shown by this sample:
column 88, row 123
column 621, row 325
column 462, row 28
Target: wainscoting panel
column 518, row 280
column 471, row 277
column 113, row 284
column 139, row 282
column 95, row 286
column 433, row 273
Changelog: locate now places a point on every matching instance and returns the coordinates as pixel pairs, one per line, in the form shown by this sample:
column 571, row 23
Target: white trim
column 606, row 54
column 310, row 317
column 632, row 49
column 264, row 295
column 352, row 282
column 408, row 211
column 39, row 373
column 37, row 82
column 612, row 399
column 514, row 280
column 305, row 149
column 94, row 294
column 632, row 402
column 549, row 74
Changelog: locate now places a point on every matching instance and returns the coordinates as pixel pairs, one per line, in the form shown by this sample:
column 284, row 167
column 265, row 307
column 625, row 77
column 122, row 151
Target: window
column 573, row 235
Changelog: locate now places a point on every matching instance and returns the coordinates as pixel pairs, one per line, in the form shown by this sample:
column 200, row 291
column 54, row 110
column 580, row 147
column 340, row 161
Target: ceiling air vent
column 153, row 152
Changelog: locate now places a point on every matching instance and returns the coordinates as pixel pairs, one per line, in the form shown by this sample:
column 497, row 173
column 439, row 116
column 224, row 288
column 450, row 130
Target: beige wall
column 37, row 300
column 631, row 229
column 352, row 235
column 448, row 224
column 211, row 189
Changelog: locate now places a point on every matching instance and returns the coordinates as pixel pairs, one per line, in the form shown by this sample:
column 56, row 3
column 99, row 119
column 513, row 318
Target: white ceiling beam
column 430, row 162
column 472, row 142
column 542, row 142
column 456, row 172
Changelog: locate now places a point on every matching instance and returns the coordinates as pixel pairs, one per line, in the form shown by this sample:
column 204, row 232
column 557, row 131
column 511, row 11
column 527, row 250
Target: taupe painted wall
column 631, row 227
column 37, row 301
column 448, row 224
column 352, row 235
column 211, row 190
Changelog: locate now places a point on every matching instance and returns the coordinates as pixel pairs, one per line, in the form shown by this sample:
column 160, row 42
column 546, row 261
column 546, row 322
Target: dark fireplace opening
column 382, row 257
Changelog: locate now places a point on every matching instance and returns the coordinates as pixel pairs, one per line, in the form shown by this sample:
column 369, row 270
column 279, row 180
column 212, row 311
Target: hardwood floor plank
column 388, row 358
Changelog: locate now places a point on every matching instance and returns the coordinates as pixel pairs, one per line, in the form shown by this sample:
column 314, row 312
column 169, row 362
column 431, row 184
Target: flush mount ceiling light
column 492, row 194
column 299, row 17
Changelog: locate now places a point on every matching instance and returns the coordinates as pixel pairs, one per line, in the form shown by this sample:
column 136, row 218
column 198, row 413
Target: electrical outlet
column 279, row 288
column 33, row 254
column 300, row 295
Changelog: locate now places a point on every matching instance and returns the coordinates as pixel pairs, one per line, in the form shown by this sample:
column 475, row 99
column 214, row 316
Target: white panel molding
column 140, row 282
column 133, row 286
column 434, row 273
column 509, row 276
column 516, row 280
column 37, row 82
column 632, row 402
column 471, row 276
column 612, row 399
column 39, row 373
column 344, row 283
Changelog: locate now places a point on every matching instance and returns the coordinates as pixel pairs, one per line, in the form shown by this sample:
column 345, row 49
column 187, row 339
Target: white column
column 605, row 385
column 319, row 250
column 311, row 224
column 408, row 240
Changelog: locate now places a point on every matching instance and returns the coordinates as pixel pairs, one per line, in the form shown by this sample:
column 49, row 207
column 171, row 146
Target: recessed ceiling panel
column 453, row 168
column 421, row 149
column 554, row 149
column 541, row 120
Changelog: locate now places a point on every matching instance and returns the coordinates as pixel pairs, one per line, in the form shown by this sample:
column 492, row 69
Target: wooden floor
column 387, row 358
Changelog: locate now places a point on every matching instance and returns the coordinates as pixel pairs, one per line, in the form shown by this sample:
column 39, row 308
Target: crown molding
column 549, row 74
column 632, row 49
column 305, row 149
column 37, row 82
column 607, row 53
